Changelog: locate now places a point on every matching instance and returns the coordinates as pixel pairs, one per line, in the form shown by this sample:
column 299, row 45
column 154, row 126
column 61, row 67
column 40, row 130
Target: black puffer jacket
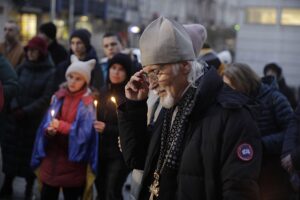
column 211, row 166
column 36, row 81
column 275, row 116
column 273, row 121
column 292, row 139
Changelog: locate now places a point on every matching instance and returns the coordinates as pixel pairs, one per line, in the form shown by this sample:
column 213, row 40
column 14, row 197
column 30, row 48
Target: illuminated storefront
column 28, row 26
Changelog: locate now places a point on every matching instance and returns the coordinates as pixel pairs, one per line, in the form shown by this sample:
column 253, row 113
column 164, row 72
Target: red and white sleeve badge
column 245, row 152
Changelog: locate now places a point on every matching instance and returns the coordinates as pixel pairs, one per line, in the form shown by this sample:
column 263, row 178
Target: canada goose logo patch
column 245, row 152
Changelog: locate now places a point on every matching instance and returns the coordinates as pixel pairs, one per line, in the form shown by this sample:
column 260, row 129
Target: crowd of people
column 182, row 122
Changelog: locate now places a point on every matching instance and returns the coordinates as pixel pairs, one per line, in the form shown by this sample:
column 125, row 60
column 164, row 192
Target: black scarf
column 172, row 138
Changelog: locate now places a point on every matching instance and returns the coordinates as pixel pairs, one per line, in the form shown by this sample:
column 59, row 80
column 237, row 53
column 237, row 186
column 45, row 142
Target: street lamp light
column 53, row 9
column 71, row 15
column 135, row 29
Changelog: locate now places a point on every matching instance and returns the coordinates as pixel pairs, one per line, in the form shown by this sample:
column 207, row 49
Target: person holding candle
column 66, row 145
column 205, row 143
column 112, row 171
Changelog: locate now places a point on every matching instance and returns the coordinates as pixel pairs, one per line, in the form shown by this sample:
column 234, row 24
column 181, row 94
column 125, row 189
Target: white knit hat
column 82, row 67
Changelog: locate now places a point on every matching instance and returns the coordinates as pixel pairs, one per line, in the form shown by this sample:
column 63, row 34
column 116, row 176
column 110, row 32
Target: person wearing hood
column 273, row 69
column 26, row 110
column 80, row 46
column 113, row 170
column 273, row 121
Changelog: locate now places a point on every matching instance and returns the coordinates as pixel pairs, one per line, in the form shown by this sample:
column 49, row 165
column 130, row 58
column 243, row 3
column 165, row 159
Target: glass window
column 290, row 16
column 62, row 30
column 28, row 26
column 261, row 15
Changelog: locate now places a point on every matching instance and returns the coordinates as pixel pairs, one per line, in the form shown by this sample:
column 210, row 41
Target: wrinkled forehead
column 149, row 68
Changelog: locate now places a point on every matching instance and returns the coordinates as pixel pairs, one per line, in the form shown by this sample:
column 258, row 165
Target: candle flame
column 113, row 99
column 52, row 113
column 95, row 103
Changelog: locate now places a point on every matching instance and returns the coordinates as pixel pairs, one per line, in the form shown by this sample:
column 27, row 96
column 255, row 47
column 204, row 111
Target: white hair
column 197, row 70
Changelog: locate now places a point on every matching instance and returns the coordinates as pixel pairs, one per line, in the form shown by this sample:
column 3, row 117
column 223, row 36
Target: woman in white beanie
column 66, row 144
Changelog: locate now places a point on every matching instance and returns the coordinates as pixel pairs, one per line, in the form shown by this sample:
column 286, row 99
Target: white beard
column 167, row 101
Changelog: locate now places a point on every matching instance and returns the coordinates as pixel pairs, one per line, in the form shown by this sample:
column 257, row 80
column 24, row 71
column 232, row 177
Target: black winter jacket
column 212, row 164
column 58, row 52
column 275, row 116
column 292, row 139
column 107, row 112
column 9, row 81
column 36, row 82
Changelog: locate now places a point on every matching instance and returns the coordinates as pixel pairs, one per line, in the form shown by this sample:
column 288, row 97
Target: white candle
column 52, row 112
column 96, row 104
column 113, row 99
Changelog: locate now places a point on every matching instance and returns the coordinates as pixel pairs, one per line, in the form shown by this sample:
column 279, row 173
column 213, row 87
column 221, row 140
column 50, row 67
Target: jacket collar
column 86, row 95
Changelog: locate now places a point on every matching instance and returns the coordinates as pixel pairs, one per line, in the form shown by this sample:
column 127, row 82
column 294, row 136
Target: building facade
column 98, row 16
column 269, row 32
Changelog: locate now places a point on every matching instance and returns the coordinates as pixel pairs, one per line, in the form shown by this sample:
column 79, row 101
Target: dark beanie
column 49, row 29
column 39, row 44
column 273, row 66
column 122, row 59
column 84, row 35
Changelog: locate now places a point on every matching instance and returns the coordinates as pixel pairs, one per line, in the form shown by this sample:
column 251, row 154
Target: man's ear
column 185, row 67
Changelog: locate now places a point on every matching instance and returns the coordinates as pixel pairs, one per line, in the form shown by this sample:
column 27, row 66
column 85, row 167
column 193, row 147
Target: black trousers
column 111, row 176
column 51, row 193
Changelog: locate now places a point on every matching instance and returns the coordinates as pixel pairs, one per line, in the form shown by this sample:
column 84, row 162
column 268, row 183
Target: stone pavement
column 19, row 187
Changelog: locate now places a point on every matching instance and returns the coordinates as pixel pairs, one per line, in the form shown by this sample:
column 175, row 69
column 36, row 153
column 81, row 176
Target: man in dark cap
column 205, row 143
column 57, row 51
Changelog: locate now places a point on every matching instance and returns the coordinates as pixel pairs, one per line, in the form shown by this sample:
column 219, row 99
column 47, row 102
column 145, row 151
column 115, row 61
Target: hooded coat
column 26, row 112
column 113, row 171
column 212, row 164
column 273, row 121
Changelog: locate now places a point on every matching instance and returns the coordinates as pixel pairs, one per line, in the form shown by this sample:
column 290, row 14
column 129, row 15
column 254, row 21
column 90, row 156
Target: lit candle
column 52, row 112
column 96, row 104
column 113, row 99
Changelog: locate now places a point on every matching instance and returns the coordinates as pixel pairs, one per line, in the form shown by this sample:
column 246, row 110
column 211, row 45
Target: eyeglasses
column 153, row 74
column 110, row 44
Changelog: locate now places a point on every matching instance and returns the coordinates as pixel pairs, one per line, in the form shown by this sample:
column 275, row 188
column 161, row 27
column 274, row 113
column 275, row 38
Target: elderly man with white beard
column 205, row 143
